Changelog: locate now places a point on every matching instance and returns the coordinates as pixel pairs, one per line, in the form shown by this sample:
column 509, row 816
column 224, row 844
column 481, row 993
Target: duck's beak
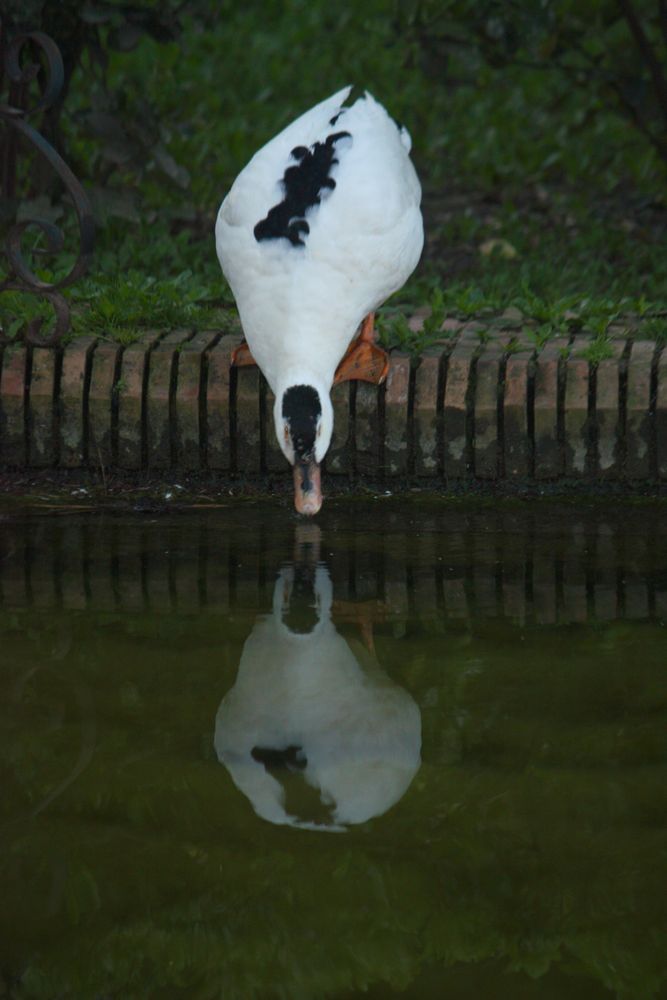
column 307, row 487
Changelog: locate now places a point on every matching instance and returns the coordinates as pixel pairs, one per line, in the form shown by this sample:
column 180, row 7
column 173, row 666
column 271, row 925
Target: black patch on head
column 301, row 616
column 302, row 185
column 301, row 410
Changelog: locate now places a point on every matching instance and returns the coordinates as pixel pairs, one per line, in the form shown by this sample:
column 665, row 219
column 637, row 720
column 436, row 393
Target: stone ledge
column 465, row 411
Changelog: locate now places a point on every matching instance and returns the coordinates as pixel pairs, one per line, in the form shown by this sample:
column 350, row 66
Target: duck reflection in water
column 313, row 732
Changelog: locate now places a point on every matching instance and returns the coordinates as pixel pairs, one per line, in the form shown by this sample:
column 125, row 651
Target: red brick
column 427, row 420
column 485, row 442
column 339, row 457
column 577, row 379
column 367, row 430
column 396, row 415
column 455, row 415
column 99, row 446
column 607, row 413
column 161, row 363
column 130, row 391
column 248, row 437
column 76, row 360
column 548, row 458
column 41, row 407
column 515, row 415
column 188, row 399
column 218, row 363
column 637, row 419
column 274, row 459
column 12, row 406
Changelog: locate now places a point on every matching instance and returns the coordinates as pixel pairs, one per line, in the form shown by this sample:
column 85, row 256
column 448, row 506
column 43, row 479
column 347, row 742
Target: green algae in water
column 467, row 797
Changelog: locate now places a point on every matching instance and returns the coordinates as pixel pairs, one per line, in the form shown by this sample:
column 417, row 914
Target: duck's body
column 319, row 707
column 320, row 227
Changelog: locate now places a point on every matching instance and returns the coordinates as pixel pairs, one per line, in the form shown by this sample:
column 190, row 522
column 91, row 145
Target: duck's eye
column 286, row 434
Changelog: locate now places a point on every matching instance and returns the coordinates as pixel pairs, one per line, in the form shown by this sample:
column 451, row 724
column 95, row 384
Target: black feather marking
column 291, row 757
column 301, row 411
column 302, row 185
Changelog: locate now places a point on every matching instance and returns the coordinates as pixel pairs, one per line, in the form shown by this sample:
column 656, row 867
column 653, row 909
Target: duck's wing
column 259, row 186
column 318, row 230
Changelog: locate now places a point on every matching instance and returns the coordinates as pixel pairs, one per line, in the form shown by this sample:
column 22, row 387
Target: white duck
column 313, row 712
column 319, row 228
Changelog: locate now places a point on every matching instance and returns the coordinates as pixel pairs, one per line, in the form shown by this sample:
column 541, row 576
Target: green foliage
column 518, row 140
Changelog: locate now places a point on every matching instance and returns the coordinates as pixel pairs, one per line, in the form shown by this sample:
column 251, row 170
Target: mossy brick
column 248, row 435
column 188, row 399
column 607, row 413
column 130, row 394
column 396, row 403
column 367, row 430
column 41, row 408
column 516, row 443
column 12, row 405
column 274, row 460
column 75, row 365
column 575, row 412
column 99, row 446
column 637, row 415
column 427, row 413
column 161, row 362
column 339, row 457
column 218, row 413
column 486, row 439
column 661, row 415
column 548, row 459
column 455, row 422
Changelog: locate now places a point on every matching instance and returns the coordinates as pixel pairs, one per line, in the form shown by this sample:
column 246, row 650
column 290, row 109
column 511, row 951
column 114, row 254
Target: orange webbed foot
column 364, row 360
column 241, row 356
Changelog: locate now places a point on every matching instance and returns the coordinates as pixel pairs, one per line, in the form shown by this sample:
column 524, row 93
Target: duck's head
column 303, row 418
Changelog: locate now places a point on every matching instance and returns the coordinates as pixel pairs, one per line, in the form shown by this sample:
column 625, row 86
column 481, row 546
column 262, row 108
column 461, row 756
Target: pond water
column 415, row 748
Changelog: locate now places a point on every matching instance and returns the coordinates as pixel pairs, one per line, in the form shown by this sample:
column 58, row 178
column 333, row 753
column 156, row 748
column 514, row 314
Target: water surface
column 414, row 749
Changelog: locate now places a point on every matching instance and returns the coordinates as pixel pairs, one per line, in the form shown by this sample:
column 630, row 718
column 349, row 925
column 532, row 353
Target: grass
column 537, row 212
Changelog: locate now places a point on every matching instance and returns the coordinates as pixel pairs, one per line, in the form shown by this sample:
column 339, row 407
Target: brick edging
column 465, row 410
column 502, row 565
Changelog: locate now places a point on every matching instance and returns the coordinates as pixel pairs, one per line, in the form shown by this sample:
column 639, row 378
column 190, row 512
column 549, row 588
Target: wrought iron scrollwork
column 20, row 277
